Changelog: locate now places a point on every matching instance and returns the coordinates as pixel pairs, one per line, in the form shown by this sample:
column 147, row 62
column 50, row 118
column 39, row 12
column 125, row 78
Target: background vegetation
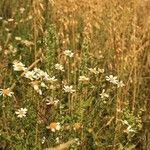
column 113, row 35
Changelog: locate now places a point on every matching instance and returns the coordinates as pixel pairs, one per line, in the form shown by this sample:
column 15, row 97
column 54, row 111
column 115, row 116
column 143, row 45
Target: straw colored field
column 74, row 74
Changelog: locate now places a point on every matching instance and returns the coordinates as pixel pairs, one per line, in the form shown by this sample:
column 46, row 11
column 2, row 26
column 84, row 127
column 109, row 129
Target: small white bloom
column 30, row 75
column 68, row 89
column 120, row 84
column 59, row 67
column 18, row 66
column 112, row 79
column 21, row 112
column 103, row 94
column 68, row 53
column 83, row 78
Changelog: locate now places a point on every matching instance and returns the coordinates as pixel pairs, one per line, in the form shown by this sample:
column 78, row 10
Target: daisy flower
column 112, row 79
column 21, row 112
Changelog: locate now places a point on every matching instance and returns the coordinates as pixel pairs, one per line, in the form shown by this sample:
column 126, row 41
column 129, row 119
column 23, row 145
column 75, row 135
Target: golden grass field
column 74, row 74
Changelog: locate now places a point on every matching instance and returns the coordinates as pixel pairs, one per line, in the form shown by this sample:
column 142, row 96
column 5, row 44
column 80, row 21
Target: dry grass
column 112, row 35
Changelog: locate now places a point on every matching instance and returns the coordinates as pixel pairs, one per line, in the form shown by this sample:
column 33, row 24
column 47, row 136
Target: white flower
column 18, row 66
column 6, row 92
column 30, row 75
column 21, row 112
column 68, row 89
column 120, row 84
column 59, row 67
column 83, row 78
column 112, row 79
column 68, row 53
column 103, row 94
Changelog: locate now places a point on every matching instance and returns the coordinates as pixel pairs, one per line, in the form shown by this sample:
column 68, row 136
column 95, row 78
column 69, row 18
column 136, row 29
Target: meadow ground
column 74, row 74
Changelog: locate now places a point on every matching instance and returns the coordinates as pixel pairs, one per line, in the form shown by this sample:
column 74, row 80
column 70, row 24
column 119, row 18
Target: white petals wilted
column 54, row 126
column 6, row 92
column 21, row 112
